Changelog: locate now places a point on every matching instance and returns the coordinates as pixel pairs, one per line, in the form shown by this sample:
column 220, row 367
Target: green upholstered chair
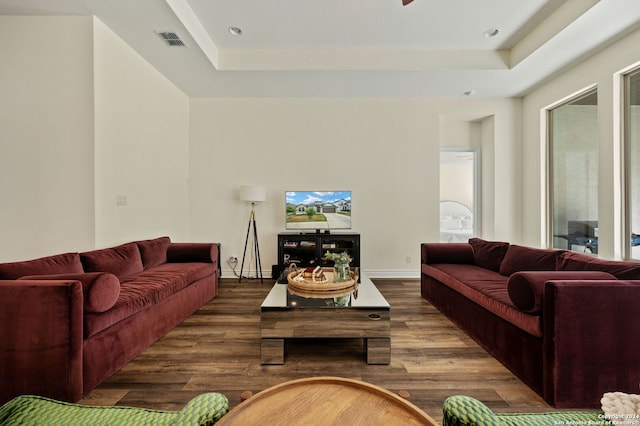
column 205, row 409
column 460, row 410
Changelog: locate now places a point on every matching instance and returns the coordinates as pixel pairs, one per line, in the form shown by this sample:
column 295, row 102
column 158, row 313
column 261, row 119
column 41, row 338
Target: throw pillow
column 121, row 261
column 621, row 408
column 526, row 288
column 100, row 290
column 488, row 254
column 446, row 253
column 193, row 252
column 154, row 252
column 521, row 258
column 572, row 261
column 57, row 264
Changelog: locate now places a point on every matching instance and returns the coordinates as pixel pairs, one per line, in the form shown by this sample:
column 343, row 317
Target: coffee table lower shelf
column 372, row 325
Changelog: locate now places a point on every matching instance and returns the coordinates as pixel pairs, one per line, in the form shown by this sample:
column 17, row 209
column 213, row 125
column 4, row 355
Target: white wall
column 598, row 69
column 83, row 118
column 46, row 136
column 142, row 147
column 180, row 162
column 385, row 150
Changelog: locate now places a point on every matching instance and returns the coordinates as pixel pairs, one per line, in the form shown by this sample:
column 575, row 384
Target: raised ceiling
column 356, row 48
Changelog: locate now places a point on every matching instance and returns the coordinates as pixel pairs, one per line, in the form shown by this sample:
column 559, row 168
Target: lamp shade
column 253, row 194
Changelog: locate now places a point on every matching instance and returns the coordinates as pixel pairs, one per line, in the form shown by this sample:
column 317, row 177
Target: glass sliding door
column 632, row 139
column 458, row 194
column 573, row 150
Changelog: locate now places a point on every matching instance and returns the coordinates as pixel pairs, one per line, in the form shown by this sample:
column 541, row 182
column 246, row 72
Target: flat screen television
column 318, row 210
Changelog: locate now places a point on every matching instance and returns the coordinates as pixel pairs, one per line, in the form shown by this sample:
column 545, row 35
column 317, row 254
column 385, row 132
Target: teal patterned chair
column 460, row 410
column 30, row 410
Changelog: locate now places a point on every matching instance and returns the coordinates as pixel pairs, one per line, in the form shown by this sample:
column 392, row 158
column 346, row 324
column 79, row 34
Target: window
column 573, row 150
column 458, row 205
column 632, row 142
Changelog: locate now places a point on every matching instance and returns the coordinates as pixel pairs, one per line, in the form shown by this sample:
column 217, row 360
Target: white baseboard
column 392, row 273
column 228, row 273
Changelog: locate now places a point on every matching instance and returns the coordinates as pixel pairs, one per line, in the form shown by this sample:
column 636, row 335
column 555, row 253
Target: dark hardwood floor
column 217, row 349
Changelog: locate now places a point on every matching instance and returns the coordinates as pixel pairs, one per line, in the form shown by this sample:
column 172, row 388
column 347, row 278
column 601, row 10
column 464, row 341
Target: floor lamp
column 252, row 194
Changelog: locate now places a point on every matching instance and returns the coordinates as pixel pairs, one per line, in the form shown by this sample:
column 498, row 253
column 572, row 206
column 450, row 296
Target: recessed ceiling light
column 235, row 31
column 491, row 32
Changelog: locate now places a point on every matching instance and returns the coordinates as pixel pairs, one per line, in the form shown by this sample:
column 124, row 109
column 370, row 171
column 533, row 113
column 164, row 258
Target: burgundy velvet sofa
column 565, row 323
column 69, row 321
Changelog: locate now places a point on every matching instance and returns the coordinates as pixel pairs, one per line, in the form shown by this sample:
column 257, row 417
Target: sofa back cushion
column 100, row 290
column 57, row 264
column 521, row 258
column 572, row 261
column 121, row 261
column 154, row 252
column 488, row 254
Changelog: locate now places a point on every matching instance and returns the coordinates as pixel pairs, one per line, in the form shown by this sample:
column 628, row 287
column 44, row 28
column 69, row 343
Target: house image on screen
column 344, row 205
column 321, row 208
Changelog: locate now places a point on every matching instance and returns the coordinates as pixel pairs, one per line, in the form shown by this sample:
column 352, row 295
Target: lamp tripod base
column 256, row 247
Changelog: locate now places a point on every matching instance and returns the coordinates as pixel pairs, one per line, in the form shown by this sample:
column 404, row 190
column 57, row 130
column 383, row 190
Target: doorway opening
column 458, row 194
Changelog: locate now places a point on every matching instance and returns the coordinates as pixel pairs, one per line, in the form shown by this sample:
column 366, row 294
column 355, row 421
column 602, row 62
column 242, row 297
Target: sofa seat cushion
column 144, row 289
column 486, row 288
column 66, row 263
column 462, row 272
column 191, row 271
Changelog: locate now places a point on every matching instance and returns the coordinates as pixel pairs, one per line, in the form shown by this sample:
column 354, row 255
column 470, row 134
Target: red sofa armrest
column 41, row 335
column 446, row 253
column 591, row 343
column 193, row 252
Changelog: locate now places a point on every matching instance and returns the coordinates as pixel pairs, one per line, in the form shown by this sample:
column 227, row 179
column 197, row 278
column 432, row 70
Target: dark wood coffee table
column 326, row 401
column 364, row 314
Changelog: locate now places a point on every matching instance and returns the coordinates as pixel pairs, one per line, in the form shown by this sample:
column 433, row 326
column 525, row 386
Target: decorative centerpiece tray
column 319, row 282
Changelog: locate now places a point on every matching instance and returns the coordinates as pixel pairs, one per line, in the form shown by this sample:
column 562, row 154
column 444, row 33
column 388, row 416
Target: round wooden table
column 326, row 401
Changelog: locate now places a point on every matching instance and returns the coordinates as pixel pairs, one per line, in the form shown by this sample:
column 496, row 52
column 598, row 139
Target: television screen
column 311, row 210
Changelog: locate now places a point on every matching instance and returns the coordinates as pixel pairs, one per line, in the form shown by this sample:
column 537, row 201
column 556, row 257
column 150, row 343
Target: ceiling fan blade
column 406, row 2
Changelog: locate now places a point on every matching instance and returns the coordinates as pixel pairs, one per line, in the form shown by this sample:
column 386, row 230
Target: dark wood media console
column 307, row 249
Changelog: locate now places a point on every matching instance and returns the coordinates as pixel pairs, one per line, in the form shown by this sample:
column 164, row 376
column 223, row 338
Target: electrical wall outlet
column 233, row 259
column 407, row 259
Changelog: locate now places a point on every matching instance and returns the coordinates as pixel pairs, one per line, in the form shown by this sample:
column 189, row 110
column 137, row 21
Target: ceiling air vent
column 172, row 38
